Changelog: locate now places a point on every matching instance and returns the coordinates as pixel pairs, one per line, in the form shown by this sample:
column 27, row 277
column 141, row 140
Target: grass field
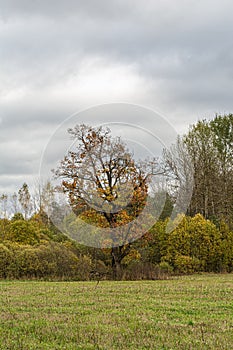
column 192, row 312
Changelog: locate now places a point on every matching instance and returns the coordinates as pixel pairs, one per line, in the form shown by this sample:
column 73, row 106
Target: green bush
column 185, row 264
column 6, row 257
column 22, row 231
column 49, row 260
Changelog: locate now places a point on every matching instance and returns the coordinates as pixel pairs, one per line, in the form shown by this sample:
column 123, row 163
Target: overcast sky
column 59, row 57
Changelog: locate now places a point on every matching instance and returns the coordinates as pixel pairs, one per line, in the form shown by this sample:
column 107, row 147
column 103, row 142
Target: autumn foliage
column 108, row 189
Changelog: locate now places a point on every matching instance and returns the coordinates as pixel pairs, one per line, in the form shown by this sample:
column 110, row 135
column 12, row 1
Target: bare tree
column 4, row 204
column 208, row 148
column 43, row 198
column 14, row 203
column 179, row 173
column 25, row 200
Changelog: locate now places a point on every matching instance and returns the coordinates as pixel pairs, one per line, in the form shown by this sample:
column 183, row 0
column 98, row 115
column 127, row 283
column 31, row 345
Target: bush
column 50, row 260
column 185, row 264
column 23, row 232
column 6, row 258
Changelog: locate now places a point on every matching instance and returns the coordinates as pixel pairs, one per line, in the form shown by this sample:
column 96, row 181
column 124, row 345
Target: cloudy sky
column 60, row 57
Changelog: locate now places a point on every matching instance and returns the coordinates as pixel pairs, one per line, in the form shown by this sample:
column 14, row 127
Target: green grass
column 192, row 312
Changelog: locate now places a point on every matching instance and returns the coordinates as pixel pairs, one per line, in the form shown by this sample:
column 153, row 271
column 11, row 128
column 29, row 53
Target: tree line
column 95, row 178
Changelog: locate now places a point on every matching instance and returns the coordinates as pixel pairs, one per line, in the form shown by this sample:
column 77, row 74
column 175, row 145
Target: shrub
column 185, row 264
column 6, row 258
column 23, row 232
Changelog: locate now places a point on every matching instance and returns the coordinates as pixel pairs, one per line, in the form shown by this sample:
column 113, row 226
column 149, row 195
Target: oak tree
column 106, row 185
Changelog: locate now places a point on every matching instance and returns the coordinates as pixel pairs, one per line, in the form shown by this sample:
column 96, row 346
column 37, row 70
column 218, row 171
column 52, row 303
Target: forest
column 33, row 247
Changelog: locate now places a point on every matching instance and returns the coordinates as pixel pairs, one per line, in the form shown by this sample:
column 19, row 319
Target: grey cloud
column 180, row 54
column 61, row 9
column 162, row 40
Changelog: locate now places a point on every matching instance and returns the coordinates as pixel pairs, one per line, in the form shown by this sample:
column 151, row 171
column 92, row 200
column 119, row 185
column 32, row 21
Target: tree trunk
column 116, row 264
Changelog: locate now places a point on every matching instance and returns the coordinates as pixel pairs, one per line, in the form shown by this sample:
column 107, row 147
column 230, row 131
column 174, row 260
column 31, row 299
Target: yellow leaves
column 123, row 218
column 106, row 193
column 93, row 217
column 106, row 244
column 133, row 255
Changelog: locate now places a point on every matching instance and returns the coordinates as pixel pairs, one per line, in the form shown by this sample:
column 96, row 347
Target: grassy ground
column 184, row 313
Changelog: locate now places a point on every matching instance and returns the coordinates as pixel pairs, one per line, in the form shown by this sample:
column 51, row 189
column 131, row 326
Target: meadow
column 189, row 312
